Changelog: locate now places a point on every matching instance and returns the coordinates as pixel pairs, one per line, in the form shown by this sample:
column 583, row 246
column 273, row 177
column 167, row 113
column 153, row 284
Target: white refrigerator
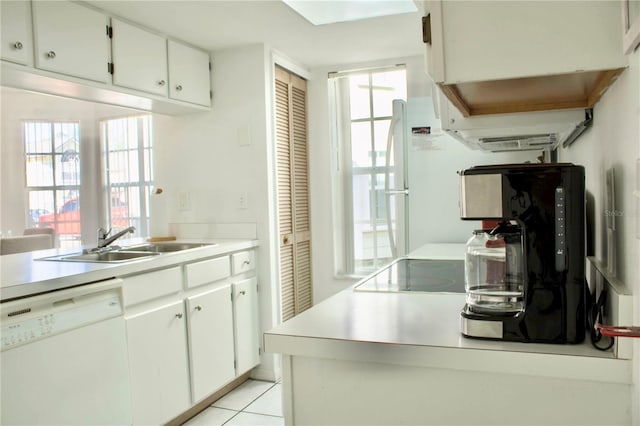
column 421, row 181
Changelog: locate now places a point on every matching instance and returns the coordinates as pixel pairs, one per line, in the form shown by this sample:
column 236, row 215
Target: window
column 128, row 172
column 362, row 113
column 53, row 178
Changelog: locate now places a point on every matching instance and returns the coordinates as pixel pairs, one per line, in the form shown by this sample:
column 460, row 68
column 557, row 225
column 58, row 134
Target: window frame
column 344, row 171
column 53, row 188
column 144, row 184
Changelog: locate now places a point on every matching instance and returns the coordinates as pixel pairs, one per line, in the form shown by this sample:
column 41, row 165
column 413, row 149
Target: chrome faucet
column 103, row 241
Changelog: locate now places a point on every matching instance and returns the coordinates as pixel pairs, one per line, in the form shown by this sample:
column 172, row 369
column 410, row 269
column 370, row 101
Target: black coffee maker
column 542, row 224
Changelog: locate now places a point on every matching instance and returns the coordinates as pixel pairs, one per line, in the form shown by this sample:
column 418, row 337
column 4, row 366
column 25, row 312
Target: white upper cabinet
column 15, row 35
column 189, row 74
column 71, row 39
column 139, row 58
column 494, row 57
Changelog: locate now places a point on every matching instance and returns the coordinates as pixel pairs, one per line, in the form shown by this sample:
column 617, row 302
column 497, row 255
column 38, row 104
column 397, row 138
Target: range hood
column 521, row 74
column 535, row 130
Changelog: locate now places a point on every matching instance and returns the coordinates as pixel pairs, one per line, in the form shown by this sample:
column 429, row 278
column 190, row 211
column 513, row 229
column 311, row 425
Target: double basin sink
column 125, row 254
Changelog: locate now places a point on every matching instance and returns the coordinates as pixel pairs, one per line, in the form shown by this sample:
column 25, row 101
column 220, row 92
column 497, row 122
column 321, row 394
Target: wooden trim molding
column 540, row 93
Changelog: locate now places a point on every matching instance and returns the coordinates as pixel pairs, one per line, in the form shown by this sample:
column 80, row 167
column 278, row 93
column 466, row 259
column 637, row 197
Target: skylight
column 320, row 12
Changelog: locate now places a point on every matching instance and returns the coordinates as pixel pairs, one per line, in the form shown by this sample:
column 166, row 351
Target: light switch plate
column 184, row 201
column 243, row 200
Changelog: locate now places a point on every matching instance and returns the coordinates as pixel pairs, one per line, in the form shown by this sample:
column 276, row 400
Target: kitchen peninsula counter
column 398, row 358
column 23, row 275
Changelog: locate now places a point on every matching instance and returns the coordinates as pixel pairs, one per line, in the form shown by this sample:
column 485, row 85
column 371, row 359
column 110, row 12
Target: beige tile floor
column 253, row 403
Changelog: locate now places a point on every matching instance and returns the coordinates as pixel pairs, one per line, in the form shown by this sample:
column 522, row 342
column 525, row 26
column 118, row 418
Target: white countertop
column 423, row 329
column 23, row 276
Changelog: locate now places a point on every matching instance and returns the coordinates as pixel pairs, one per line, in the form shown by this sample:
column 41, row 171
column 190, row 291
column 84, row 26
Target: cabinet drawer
column 243, row 261
column 148, row 286
column 208, row 271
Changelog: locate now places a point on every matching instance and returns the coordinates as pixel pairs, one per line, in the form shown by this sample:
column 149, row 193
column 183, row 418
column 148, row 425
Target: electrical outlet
column 184, row 201
column 243, row 201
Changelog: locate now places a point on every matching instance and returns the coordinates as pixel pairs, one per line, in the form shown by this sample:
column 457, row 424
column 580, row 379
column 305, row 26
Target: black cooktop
column 418, row 275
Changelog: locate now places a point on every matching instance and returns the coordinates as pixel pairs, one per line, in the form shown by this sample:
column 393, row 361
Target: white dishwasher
column 64, row 358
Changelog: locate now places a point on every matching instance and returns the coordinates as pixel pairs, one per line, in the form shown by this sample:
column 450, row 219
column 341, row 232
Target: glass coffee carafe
column 494, row 270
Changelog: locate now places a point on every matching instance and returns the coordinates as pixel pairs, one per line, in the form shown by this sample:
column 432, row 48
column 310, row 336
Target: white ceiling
column 215, row 24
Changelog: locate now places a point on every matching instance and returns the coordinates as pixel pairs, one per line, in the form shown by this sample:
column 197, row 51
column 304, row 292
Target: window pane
column 68, row 217
column 52, row 167
column 65, row 137
column 387, row 86
column 371, row 95
column 37, row 137
column 361, row 155
column 359, row 96
column 379, row 199
column 361, row 200
column 128, row 160
column 67, row 168
column 40, row 205
column 39, row 169
column 147, row 165
column 381, row 134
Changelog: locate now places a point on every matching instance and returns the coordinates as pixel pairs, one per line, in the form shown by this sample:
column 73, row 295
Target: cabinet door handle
column 162, row 83
column 242, row 293
column 198, row 308
column 246, row 262
column 51, row 54
column 17, row 45
column 179, row 315
column 179, row 87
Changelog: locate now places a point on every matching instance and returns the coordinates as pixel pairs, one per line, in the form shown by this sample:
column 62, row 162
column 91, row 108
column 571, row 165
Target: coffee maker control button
column 559, row 231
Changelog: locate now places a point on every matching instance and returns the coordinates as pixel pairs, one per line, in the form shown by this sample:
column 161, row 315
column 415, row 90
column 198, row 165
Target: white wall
column 614, row 141
column 17, row 105
column 216, row 156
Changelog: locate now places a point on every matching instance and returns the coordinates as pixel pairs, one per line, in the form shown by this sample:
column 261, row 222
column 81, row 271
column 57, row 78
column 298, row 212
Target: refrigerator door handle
column 387, row 190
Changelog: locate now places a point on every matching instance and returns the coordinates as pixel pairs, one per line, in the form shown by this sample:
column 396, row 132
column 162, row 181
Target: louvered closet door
column 293, row 194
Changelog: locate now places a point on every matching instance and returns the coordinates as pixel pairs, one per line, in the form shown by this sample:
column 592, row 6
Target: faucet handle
column 102, row 233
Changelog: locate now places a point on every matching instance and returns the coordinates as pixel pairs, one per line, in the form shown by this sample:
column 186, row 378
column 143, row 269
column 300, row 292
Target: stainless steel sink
column 163, row 247
column 115, row 256
column 126, row 254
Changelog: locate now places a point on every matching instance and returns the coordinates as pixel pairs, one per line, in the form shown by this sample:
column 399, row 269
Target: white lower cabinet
column 245, row 323
column 210, row 324
column 191, row 329
column 158, row 363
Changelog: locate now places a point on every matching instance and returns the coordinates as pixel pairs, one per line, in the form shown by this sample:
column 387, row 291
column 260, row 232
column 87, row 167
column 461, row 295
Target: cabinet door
column 139, row 58
column 189, row 74
column 246, row 323
column 15, row 36
column 157, row 342
column 71, row 39
column 210, row 341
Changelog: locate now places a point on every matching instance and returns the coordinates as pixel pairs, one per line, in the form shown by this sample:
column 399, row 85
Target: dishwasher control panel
column 27, row 320
column 27, row 330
